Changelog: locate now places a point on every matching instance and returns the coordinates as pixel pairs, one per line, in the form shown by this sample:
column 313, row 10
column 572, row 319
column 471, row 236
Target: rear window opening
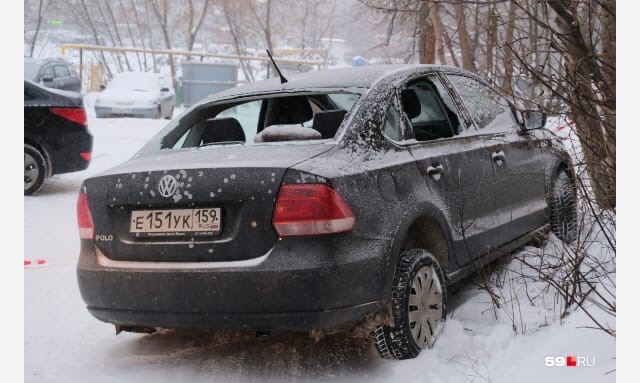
column 298, row 117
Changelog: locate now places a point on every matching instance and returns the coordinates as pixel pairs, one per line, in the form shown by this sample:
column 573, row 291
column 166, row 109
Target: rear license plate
column 176, row 222
column 122, row 110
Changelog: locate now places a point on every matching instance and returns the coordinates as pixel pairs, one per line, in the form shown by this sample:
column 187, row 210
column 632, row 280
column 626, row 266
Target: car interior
column 430, row 118
column 288, row 118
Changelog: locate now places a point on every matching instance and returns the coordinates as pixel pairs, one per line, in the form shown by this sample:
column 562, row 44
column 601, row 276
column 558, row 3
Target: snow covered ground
column 480, row 342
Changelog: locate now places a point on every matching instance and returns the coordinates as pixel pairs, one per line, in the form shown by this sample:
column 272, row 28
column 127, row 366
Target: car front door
column 453, row 163
column 517, row 158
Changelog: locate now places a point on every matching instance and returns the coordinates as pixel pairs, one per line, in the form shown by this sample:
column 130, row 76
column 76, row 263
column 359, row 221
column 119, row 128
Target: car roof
column 340, row 78
column 44, row 60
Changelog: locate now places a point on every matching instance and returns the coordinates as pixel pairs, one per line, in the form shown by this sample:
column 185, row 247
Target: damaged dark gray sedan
column 339, row 199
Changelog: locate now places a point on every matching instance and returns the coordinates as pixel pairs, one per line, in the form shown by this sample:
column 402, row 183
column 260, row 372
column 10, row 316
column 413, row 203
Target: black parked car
column 56, row 137
column 52, row 73
column 340, row 198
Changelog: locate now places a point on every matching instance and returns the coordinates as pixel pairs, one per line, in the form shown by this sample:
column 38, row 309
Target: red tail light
column 86, row 156
column 311, row 209
column 85, row 222
column 77, row 115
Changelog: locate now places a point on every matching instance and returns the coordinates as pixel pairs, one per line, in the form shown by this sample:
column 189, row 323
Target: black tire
column 170, row 115
column 35, row 170
column 405, row 339
column 564, row 218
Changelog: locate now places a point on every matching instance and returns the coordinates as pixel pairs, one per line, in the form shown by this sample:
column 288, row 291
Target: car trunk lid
column 237, row 184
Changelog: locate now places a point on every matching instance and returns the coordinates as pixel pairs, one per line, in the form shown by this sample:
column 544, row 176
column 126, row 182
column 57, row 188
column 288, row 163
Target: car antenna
column 282, row 78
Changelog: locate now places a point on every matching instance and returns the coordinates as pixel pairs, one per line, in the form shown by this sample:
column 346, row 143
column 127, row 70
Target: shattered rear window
column 257, row 120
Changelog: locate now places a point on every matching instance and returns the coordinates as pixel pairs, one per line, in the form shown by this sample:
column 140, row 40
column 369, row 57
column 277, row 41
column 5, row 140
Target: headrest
column 288, row 110
column 222, row 130
column 410, row 103
column 293, row 132
column 327, row 122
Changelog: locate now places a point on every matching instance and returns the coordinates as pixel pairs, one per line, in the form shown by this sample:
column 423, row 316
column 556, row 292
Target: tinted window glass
column 344, row 100
column 47, row 72
column 488, row 109
column 61, row 71
column 392, row 127
column 449, row 106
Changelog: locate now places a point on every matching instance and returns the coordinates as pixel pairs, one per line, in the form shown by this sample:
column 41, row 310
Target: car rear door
column 516, row 156
column 62, row 78
column 453, row 162
column 73, row 82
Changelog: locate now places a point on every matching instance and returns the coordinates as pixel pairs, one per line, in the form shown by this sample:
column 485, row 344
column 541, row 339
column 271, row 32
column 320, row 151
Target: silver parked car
column 137, row 94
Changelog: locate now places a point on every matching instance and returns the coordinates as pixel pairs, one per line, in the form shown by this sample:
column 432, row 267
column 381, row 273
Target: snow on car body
column 224, row 221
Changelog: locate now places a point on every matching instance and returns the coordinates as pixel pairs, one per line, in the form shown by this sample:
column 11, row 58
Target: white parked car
column 137, row 94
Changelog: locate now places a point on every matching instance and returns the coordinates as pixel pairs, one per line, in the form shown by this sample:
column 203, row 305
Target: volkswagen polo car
column 340, row 199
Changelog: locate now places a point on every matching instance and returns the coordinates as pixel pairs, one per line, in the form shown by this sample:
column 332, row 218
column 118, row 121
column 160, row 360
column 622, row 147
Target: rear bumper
column 326, row 285
column 67, row 158
column 293, row 321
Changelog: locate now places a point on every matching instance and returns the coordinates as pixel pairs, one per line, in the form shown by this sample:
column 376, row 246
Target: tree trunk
column 438, row 31
column 507, row 50
column 463, row 34
column 492, row 35
column 115, row 27
column 162, row 20
column 130, row 32
column 583, row 74
column 38, row 24
column 426, row 35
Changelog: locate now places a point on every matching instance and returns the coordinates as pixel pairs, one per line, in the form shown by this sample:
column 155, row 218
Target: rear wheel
column 35, row 170
column 563, row 208
column 170, row 115
column 418, row 303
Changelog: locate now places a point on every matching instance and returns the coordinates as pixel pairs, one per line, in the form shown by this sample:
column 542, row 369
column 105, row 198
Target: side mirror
column 47, row 79
column 533, row 119
column 164, row 89
column 102, row 87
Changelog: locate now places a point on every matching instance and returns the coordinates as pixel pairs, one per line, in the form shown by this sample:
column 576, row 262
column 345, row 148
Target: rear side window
column 428, row 115
column 61, row 71
column 47, row 72
column 272, row 118
column 488, row 109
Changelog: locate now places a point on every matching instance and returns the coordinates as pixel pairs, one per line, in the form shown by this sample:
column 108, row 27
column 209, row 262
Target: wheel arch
column 425, row 227
column 42, row 148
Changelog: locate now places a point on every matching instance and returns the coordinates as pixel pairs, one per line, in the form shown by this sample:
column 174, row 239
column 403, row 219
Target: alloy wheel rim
column 425, row 307
column 31, row 171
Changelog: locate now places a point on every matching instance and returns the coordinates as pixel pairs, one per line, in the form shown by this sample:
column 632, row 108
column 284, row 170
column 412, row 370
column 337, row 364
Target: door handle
column 498, row 157
column 435, row 172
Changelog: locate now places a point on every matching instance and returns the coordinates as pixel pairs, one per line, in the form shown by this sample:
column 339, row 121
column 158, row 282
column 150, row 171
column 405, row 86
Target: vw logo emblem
column 167, row 186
